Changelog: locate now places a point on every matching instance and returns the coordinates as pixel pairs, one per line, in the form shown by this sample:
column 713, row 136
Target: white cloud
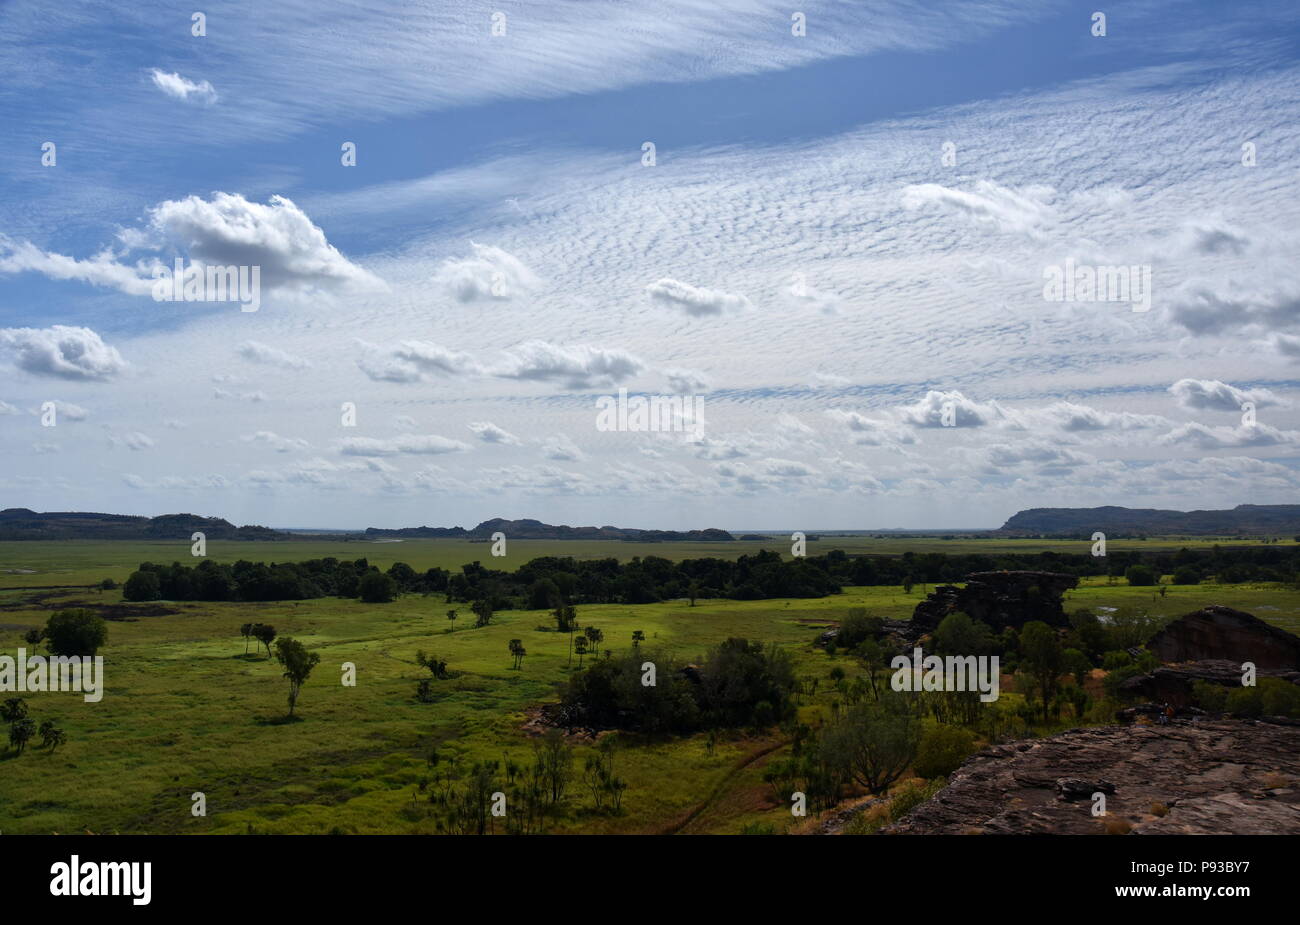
column 257, row 352
column 275, row 441
column 413, row 361
column 406, row 444
column 490, row 433
column 490, row 274
column 178, row 87
column 575, row 367
column 1213, row 395
column 1022, row 211
column 1219, row 438
column 63, row 352
column 695, row 301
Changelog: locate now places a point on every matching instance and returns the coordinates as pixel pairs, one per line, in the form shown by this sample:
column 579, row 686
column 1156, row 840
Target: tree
column 451, row 615
column 941, row 749
column 580, row 646
column 875, row 742
column 693, row 591
column 482, row 609
column 246, row 630
column 75, row 632
column 13, row 709
column 437, row 666
column 142, row 586
column 376, row 588
column 107, row 584
column 638, row 637
column 1042, row 660
column 1140, row 576
column 518, row 651
column 958, row 634
column 594, row 636
column 20, row 733
column 565, row 618
column 51, row 735
column 34, row 636
column 265, row 634
column 297, row 663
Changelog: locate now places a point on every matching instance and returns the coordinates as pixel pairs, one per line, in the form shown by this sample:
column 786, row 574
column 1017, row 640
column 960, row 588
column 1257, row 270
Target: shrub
column 941, row 749
column 1270, row 697
column 1141, row 576
column 376, row 588
column 142, row 586
column 75, row 632
column 1186, row 575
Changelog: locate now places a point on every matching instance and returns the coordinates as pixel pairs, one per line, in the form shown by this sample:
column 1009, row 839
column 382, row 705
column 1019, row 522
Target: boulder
column 1218, row 632
column 1000, row 599
column 1205, row 777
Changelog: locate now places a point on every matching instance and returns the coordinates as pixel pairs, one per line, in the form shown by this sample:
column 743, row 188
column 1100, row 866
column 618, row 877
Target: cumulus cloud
column 1069, row 417
column 490, row 433
column 561, row 448
column 1204, row 310
column 872, row 431
column 1213, row 395
column 695, row 300
column 1022, row 211
column 257, row 352
column 413, row 361
column 577, row 367
column 180, row 88
column 1220, row 438
column 275, row 441
column 951, row 409
column 686, row 381
column 62, row 352
column 406, row 444
column 489, row 274
column 277, row 236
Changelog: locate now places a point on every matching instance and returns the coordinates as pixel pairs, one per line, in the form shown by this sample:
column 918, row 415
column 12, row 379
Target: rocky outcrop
column 1000, row 599
column 1172, row 684
column 1219, row 632
column 1200, row 777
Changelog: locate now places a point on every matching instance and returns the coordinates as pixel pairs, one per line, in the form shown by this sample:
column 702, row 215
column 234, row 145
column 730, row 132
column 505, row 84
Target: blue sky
column 801, row 254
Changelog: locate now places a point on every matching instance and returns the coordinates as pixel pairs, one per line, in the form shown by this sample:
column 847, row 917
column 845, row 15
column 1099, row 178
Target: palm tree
column 638, row 637
column 581, row 645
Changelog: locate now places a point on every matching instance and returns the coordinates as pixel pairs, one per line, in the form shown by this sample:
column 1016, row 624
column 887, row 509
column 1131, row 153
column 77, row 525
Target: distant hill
column 19, row 523
column 22, row 524
column 536, row 530
column 1244, row 519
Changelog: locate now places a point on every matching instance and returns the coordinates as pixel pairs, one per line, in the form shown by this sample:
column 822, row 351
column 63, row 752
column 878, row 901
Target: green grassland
column 186, row 710
column 48, row 562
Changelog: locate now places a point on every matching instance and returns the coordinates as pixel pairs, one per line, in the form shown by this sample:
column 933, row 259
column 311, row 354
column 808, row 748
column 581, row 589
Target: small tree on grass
column 265, row 634
column 20, row 733
column 580, row 646
column 638, row 637
column 594, row 637
column 451, row 616
column 437, row 666
column 246, row 630
column 297, row 662
column 1042, row 660
column 376, row 588
column 51, row 735
column 75, row 632
column 482, row 612
column 518, row 651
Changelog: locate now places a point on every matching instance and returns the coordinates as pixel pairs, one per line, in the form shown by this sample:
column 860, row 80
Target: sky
column 840, row 230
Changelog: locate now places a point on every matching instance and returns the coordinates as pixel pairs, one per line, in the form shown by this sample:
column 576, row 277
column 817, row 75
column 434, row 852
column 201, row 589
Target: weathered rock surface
column 1219, row 632
column 1172, row 684
column 1000, row 599
column 1216, row 776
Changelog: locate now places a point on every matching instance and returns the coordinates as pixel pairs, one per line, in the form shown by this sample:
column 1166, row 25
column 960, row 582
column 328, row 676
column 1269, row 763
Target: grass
column 186, row 711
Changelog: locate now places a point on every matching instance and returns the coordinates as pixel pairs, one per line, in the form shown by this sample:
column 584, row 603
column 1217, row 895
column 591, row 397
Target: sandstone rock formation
column 1218, row 632
column 1215, row 776
column 1172, row 684
column 1000, row 599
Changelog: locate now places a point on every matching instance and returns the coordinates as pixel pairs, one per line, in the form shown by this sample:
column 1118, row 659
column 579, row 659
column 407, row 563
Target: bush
column 942, row 748
column 857, row 628
column 75, row 632
column 377, row 588
column 1210, row 697
column 1186, row 575
column 1140, row 576
column 142, row 586
column 1270, row 697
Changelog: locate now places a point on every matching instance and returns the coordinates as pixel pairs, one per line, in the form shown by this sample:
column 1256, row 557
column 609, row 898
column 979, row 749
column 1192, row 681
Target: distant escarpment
column 23, row 524
column 1244, row 519
column 536, row 530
